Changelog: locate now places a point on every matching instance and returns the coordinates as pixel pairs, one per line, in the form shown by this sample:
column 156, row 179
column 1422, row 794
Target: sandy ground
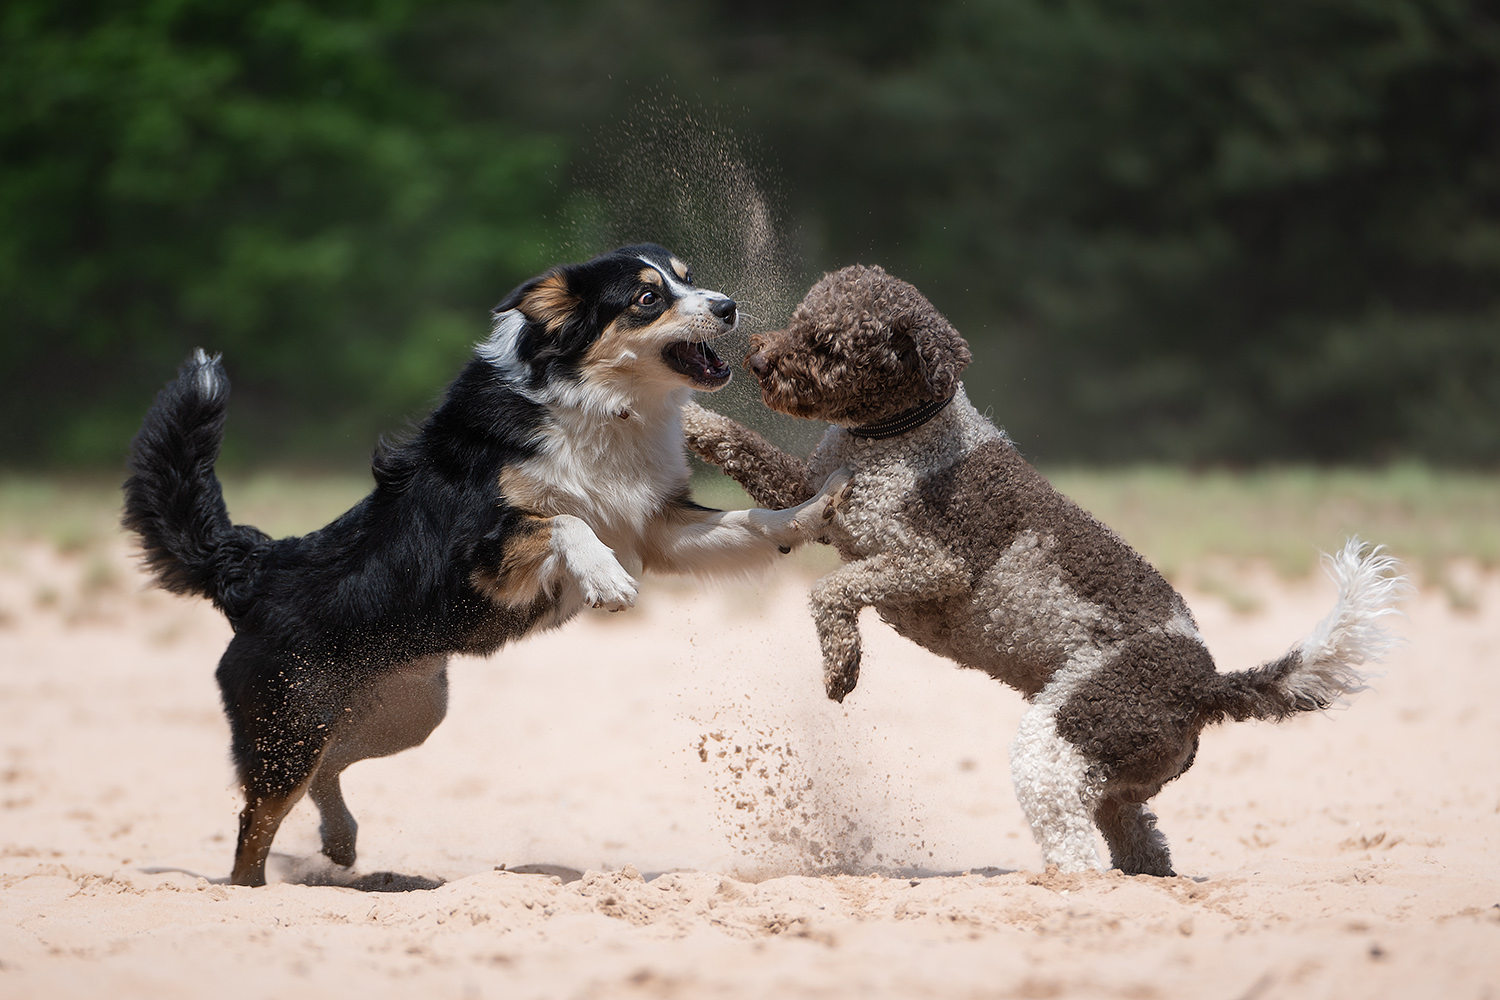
column 707, row 825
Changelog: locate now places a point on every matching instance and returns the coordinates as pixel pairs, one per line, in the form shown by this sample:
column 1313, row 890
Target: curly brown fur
column 860, row 347
column 964, row 548
column 771, row 475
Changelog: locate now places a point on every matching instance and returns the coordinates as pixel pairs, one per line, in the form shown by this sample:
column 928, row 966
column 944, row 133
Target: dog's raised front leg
column 695, row 539
column 545, row 556
column 589, row 564
column 773, row 478
column 837, row 598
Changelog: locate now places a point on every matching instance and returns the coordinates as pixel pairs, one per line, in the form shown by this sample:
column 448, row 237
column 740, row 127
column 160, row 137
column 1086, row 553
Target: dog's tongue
column 698, row 362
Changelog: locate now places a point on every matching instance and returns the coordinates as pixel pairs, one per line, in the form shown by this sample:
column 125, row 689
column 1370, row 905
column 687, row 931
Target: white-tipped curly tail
column 1370, row 583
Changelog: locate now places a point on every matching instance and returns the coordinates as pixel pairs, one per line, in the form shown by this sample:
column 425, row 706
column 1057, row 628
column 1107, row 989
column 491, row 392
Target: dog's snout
column 724, row 309
column 756, row 360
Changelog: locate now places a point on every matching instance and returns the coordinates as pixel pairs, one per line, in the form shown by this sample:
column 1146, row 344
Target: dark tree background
column 1184, row 230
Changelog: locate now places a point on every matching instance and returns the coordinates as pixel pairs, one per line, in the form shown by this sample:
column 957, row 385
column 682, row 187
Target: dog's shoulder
column 987, row 490
column 992, row 499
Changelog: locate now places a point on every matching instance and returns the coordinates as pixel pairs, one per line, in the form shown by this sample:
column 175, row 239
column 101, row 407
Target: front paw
column 809, row 519
column 835, row 492
column 605, row 584
column 706, row 433
column 840, row 678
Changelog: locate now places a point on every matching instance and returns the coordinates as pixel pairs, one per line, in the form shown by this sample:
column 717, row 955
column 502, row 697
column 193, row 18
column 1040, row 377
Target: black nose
column 724, row 309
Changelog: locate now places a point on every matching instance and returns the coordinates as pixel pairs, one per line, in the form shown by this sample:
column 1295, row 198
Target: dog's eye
column 647, row 298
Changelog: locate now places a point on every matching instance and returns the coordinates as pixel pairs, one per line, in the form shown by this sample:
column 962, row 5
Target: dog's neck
column 903, row 422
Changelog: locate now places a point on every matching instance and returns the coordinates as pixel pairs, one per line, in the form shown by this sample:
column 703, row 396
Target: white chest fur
column 613, row 471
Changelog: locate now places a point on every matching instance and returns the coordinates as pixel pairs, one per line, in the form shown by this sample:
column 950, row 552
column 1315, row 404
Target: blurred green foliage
column 1173, row 230
column 266, row 180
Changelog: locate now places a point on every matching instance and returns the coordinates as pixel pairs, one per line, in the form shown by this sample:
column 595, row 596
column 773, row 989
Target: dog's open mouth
column 698, row 362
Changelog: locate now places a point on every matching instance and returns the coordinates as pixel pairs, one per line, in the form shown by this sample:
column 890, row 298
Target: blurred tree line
column 1184, row 230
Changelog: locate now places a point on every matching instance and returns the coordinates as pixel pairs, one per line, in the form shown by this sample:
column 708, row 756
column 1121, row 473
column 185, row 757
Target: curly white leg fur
column 1051, row 775
column 1055, row 792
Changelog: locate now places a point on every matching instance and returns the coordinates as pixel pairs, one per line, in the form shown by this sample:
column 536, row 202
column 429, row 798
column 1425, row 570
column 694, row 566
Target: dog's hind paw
column 839, row 680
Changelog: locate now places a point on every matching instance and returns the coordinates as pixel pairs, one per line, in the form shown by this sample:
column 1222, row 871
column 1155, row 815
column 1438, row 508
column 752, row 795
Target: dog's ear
column 941, row 352
column 545, row 299
column 559, row 324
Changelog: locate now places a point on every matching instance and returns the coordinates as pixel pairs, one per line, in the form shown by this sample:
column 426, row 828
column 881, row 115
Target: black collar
column 906, row 420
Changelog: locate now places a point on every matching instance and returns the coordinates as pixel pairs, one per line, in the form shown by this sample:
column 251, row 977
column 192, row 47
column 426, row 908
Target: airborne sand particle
column 786, row 811
column 671, row 173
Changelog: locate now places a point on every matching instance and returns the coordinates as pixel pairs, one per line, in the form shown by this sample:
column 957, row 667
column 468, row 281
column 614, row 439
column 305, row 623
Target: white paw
column 601, row 581
column 607, row 586
column 808, row 519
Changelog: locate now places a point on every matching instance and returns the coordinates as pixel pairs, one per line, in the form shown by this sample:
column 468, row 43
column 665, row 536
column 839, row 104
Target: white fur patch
column 613, row 473
column 1033, row 615
column 210, row 384
column 1181, row 624
column 1370, row 584
column 500, row 350
column 579, row 558
column 1039, row 619
column 1051, row 775
column 674, row 284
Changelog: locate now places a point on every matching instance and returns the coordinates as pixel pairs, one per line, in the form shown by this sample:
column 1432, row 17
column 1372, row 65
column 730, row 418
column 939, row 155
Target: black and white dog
column 553, row 471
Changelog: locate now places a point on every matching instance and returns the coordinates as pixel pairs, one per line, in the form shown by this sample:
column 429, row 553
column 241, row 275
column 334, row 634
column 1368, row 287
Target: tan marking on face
column 517, row 581
column 611, row 343
column 679, row 268
column 550, row 302
column 626, row 346
column 620, row 345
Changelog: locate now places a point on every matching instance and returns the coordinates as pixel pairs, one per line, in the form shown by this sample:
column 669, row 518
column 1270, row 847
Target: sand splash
column 789, row 801
column 675, row 174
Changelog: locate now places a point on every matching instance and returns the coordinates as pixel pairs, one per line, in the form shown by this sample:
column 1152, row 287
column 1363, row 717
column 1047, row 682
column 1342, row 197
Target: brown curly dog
column 964, row 548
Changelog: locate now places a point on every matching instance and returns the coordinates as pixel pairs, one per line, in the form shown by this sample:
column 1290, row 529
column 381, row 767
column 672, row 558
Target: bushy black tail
column 173, row 500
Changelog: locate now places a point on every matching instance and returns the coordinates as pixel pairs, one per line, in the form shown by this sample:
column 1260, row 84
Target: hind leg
column 259, row 820
column 336, row 826
column 396, row 711
column 1136, row 846
column 278, row 732
column 1056, row 791
column 276, row 750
